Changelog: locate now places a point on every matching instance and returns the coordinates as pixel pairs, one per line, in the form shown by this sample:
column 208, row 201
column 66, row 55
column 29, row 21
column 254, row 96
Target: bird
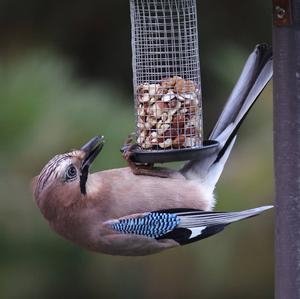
column 118, row 212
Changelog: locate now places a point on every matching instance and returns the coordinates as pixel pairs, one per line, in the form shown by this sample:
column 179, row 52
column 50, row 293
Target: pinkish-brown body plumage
column 118, row 212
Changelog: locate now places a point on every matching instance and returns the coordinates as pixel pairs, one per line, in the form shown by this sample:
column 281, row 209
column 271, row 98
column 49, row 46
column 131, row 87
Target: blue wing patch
column 153, row 225
column 181, row 225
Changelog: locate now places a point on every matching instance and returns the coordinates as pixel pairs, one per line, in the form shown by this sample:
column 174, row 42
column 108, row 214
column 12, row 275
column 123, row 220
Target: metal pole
column 286, row 44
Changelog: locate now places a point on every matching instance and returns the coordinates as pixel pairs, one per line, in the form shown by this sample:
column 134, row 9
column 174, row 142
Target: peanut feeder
column 166, row 79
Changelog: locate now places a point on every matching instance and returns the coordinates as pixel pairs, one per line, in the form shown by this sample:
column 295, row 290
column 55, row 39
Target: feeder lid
column 162, row 156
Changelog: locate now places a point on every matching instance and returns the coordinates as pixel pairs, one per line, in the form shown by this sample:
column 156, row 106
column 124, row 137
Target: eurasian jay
column 118, row 212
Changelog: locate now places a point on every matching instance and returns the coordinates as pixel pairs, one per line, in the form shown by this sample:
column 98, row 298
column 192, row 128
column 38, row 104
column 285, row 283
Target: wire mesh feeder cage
column 166, row 80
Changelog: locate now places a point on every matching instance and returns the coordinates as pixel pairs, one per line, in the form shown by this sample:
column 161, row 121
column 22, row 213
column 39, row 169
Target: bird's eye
column 71, row 173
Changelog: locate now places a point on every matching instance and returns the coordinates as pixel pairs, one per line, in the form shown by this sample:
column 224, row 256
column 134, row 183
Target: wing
column 181, row 225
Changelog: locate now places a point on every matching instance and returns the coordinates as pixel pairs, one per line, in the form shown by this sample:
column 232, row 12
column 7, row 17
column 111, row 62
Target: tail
column 257, row 72
column 197, row 225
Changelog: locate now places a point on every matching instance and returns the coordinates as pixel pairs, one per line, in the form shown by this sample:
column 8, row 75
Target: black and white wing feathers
column 182, row 225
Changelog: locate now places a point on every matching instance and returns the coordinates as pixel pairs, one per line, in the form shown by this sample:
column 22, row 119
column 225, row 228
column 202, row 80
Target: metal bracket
column 282, row 14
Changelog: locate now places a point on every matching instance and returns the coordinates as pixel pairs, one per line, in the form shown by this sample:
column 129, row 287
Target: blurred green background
column 65, row 76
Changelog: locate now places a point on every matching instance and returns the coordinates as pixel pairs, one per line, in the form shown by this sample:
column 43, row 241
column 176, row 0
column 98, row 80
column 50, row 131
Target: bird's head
column 64, row 177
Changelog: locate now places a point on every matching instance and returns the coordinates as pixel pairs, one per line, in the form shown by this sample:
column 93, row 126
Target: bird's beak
column 91, row 150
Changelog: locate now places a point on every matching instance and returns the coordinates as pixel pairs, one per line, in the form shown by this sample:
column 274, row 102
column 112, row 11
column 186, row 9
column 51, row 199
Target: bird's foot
column 127, row 149
column 140, row 168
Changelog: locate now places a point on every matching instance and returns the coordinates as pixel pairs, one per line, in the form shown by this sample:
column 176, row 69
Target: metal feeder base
column 162, row 156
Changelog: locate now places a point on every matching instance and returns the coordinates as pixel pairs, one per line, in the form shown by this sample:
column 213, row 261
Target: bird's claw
column 129, row 139
column 138, row 168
